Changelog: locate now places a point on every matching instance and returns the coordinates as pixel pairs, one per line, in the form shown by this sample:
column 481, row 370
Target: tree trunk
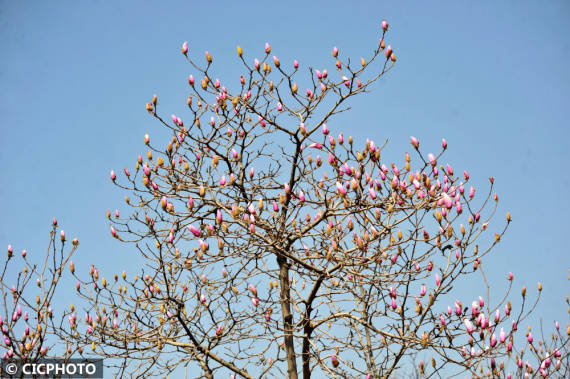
column 305, row 353
column 287, row 317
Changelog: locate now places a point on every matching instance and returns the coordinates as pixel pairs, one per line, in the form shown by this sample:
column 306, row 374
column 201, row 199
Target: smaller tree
column 28, row 322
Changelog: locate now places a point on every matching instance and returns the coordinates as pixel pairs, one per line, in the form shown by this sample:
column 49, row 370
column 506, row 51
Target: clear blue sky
column 491, row 77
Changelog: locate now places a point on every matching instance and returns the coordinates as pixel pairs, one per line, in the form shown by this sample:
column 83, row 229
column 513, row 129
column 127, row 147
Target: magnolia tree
column 275, row 245
column 28, row 291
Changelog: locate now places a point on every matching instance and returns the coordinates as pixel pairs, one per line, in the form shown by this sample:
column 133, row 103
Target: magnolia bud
column 414, row 141
column 335, row 52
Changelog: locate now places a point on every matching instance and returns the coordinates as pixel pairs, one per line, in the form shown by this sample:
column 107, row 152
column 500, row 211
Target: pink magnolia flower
column 458, row 207
column 483, row 321
column 447, row 201
column 502, row 336
column 414, row 141
column 334, row 361
column 253, row 290
column 493, row 340
column 457, row 308
column 195, row 230
column 341, row 189
column 394, row 258
column 475, row 308
column 468, row 326
column 185, row 48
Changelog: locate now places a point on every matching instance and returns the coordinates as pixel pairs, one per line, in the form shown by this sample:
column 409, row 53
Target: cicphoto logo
column 72, row 368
